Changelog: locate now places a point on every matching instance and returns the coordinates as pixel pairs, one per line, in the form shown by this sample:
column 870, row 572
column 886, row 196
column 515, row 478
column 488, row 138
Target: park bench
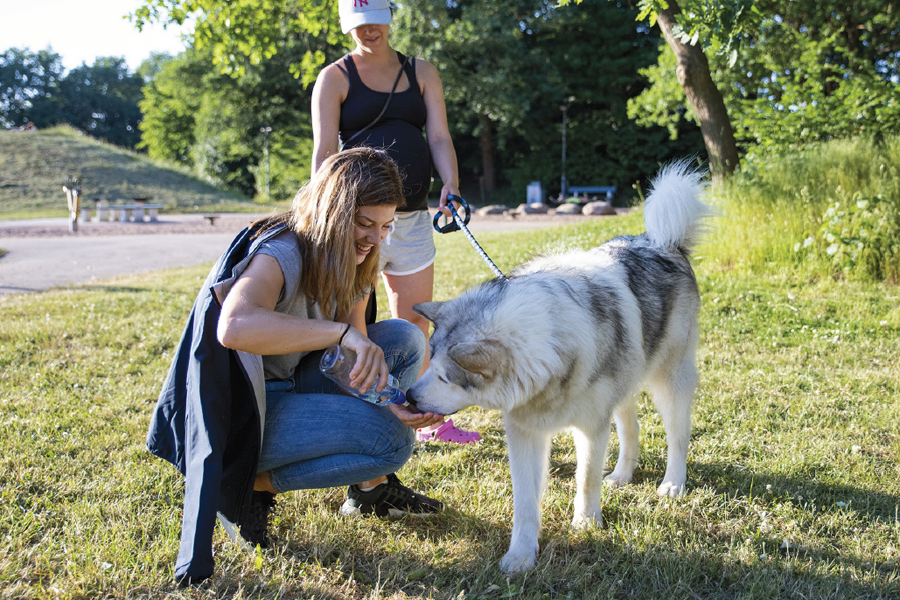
column 608, row 190
column 133, row 211
column 211, row 218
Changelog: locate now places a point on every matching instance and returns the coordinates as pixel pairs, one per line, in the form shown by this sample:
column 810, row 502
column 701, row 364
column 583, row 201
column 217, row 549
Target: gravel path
column 42, row 254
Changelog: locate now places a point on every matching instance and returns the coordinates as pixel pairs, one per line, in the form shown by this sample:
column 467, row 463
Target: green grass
column 794, row 484
column 776, row 202
column 34, row 166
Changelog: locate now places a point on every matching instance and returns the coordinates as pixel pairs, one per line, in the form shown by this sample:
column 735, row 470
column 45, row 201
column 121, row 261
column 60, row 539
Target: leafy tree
column 506, row 69
column 807, row 71
column 151, row 67
column 243, row 34
column 29, row 87
column 533, row 58
column 210, row 121
column 716, row 26
column 500, row 81
column 169, row 107
column 102, row 100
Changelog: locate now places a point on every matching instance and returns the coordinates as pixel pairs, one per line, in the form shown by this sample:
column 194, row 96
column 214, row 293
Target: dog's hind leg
column 673, row 396
column 590, row 447
column 628, row 430
column 529, row 463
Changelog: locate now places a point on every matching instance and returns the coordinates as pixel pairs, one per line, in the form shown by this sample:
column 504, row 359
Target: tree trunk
column 706, row 100
column 486, row 137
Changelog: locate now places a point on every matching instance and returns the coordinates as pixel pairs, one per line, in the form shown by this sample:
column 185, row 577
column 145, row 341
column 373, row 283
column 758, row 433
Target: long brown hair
column 323, row 214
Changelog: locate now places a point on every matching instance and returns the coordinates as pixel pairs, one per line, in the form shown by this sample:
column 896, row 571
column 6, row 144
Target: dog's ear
column 483, row 358
column 429, row 310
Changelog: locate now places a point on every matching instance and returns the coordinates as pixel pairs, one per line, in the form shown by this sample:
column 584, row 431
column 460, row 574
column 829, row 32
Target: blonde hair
column 323, row 214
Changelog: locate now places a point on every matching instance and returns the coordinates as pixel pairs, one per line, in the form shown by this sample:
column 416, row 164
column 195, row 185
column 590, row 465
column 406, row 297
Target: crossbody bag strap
column 386, row 104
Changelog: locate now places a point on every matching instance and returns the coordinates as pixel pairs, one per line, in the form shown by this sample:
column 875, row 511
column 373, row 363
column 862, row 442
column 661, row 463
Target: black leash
column 459, row 224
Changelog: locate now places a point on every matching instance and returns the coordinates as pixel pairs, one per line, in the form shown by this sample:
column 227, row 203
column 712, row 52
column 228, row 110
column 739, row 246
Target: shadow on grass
column 585, row 568
column 582, row 565
column 736, row 481
column 12, row 289
column 669, row 572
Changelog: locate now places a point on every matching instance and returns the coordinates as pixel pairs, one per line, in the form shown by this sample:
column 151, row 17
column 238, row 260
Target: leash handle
column 459, row 224
column 452, row 225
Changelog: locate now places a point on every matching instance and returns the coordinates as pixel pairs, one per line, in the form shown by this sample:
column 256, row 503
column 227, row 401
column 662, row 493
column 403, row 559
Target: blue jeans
column 317, row 437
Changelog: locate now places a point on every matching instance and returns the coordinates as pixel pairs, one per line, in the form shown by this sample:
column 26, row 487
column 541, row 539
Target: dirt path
column 41, row 253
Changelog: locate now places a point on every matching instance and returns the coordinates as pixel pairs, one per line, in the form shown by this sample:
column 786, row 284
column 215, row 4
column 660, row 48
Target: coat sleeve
column 206, row 434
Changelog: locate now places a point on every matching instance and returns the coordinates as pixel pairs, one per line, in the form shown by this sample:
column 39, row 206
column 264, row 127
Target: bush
column 840, row 200
column 860, row 237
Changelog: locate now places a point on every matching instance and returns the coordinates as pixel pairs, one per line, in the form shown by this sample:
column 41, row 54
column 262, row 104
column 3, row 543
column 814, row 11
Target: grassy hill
column 34, row 166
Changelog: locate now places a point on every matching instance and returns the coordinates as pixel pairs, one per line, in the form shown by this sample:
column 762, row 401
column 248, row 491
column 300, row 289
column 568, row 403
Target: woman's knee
column 404, row 443
column 410, row 335
column 397, row 460
column 399, row 332
column 403, row 344
column 392, row 442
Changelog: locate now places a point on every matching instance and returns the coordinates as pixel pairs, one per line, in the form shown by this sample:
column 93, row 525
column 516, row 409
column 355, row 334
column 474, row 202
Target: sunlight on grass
column 794, row 484
column 777, row 202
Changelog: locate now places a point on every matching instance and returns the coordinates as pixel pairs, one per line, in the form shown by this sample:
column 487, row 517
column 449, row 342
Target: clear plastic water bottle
column 336, row 364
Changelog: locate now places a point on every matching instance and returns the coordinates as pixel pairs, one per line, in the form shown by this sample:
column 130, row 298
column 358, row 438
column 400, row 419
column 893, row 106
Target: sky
column 82, row 30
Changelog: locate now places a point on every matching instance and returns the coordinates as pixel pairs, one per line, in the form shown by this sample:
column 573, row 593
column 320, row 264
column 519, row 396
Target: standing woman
column 245, row 413
column 377, row 97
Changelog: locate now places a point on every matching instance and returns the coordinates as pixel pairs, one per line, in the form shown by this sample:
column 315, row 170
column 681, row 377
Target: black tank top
column 399, row 131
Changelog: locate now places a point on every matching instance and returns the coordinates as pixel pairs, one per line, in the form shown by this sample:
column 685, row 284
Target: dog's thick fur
column 567, row 342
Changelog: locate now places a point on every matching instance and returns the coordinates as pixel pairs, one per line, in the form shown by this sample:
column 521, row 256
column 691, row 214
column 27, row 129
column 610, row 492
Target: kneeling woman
column 303, row 281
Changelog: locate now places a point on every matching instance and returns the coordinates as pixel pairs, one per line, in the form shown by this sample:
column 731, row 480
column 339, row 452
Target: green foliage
column 210, row 122
column 774, row 202
column 241, row 35
column 861, row 236
column 101, row 100
column 796, row 86
column 716, row 25
column 719, row 25
column 663, row 103
column 29, row 87
column 807, row 71
column 534, row 57
column 169, row 110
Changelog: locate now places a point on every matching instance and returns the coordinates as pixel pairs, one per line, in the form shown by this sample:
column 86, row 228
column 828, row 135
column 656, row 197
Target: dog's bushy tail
column 673, row 212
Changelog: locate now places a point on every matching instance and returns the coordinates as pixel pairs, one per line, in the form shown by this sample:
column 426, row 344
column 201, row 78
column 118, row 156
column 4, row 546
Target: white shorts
column 410, row 247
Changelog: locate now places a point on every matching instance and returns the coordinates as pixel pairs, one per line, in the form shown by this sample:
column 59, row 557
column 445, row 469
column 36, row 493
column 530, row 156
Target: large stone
column 568, row 208
column 598, row 208
column 493, row 209
column 535, row 208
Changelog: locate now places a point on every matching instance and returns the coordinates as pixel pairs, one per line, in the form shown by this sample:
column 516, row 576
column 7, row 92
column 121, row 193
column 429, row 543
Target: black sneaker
column 392, row 499
column 256, row 528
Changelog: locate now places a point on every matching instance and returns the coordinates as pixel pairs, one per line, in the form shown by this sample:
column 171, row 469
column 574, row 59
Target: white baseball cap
column 363, row 12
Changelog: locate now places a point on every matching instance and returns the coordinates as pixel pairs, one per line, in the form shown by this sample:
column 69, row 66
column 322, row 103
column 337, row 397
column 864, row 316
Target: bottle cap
column 331, row 355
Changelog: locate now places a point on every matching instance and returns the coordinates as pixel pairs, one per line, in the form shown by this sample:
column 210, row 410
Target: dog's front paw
column 516, row 561
column 670, row 489
column 617, row 479
column 586, row 521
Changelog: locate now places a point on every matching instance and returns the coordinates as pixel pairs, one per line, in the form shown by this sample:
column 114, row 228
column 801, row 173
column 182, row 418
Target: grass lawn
column 793, row 476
